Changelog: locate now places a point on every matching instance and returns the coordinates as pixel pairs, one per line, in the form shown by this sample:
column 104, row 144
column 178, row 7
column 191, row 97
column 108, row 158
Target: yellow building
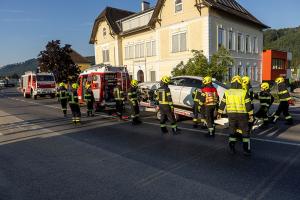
column 152, row 42
column 79, row 60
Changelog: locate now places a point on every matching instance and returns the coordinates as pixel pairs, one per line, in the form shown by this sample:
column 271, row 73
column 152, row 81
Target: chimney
column 145, row 5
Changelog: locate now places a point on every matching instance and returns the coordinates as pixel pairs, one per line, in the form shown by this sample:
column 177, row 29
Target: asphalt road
column 43, row 156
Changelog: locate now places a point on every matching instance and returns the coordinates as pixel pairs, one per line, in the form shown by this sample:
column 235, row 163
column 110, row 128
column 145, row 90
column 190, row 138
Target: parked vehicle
column 181, row 88
column 38, row 84
column 103, row 79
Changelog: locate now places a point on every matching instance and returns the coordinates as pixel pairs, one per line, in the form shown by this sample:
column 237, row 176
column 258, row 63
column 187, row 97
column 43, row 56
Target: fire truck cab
column 38, row 84
column 103, row 79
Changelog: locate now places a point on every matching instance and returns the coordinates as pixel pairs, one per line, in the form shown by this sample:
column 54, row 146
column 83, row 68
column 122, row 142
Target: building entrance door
column 140, row 76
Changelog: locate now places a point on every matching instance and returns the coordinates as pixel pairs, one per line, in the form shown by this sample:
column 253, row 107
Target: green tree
column 198, row 65
column 57, row 60
column 219, row 64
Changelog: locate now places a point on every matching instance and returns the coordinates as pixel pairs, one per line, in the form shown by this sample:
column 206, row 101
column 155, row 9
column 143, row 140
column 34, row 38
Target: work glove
column 251, row 118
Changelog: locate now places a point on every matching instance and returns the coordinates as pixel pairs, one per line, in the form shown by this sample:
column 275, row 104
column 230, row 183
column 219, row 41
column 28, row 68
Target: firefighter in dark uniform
column 239, row 109
column 248, row 87
column 133, row 101
column 119, row 99
column 74, row 104
column 62, row 94
column 89, row 99
column 164, row 98
column 266, row 100
column 196, row 107
column 209, row 99
column 284, row 98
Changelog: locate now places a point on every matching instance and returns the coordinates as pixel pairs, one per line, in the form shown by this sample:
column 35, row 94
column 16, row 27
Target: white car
column 182, row 88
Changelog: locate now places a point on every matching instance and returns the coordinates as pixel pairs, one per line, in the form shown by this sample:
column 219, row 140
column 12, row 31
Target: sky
column 27, row 25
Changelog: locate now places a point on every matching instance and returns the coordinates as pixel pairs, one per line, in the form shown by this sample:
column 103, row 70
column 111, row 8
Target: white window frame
column 139, row 50
column 255, row 45
column 179, row 42
column 105, row 55
column 248, row 47
column 241, row 42
column 104, row 32
column 232, row 41
column 176, row 5
column 223, row 37
column 150, row 48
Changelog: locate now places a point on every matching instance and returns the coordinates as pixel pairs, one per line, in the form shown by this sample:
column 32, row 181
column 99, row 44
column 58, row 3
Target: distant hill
column 19, row 68
column 287, row 39
column 28, row 65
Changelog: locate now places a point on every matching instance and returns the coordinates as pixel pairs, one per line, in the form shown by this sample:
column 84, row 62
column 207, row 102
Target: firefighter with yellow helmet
column 62, row 94
column 247, row 86
column 209, row 100
column 164, row 99
column 74, row 104
column 284, row 98
column 239, row 109
column 89, row 99
column 133, row 102
column 266, row 99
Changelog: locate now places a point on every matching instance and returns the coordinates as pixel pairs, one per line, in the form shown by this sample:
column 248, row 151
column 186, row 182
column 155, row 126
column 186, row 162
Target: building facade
column 152, row 42
column 276, row 63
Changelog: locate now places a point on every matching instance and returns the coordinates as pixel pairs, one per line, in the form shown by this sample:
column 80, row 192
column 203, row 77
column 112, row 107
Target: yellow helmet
column 87, row 86
column 246, row 80
column 265, row 86
column 75, row 86
column 207, row 80
column 61, row 84
column 134, row 83
column 166, row 79
column 279, row 80
column 236, row 79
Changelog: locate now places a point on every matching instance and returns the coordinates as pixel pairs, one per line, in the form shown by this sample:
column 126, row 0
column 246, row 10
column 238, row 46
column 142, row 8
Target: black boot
column 246, row 147
column 195, row 125
column 289, row 122
column 164, row 130
column 232, row 147
column 176, row 131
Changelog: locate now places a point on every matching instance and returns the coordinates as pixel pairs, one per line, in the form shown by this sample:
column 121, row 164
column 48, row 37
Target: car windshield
column 45, row 78
column 221, row 84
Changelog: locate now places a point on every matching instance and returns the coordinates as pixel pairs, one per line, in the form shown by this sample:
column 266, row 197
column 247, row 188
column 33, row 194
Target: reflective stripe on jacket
column 209, row 96
column 118, row 94
column 163, row 96
column 283, row 93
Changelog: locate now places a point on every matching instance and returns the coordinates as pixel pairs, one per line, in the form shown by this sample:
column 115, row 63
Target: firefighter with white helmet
column 239, row 109
column 266, row 99
column 62, row 94
column 209, row 101
column 74, row 104
column 164, row 98
column 133, row 102
column 284, row 98
column 89, row 99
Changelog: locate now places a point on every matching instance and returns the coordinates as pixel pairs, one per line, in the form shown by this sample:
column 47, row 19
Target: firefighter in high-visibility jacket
column 164, row 98
column 284, row 98
column 62, row 94
column 74, row 104
column 89, row 99
column 210, row 100
column 239, row 109
column 196, row 107
column 266, row 100
column 119, row 99
column 133, row 102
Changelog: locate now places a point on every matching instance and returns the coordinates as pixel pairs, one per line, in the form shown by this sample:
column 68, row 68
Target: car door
column 186, row 97
column 175, row 87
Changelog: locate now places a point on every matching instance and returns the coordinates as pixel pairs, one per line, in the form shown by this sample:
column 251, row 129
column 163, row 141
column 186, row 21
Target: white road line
column 222, row 134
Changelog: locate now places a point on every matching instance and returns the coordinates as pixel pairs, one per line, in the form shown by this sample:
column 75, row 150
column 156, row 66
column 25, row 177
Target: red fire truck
column 38, row 84
column 103, row 79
